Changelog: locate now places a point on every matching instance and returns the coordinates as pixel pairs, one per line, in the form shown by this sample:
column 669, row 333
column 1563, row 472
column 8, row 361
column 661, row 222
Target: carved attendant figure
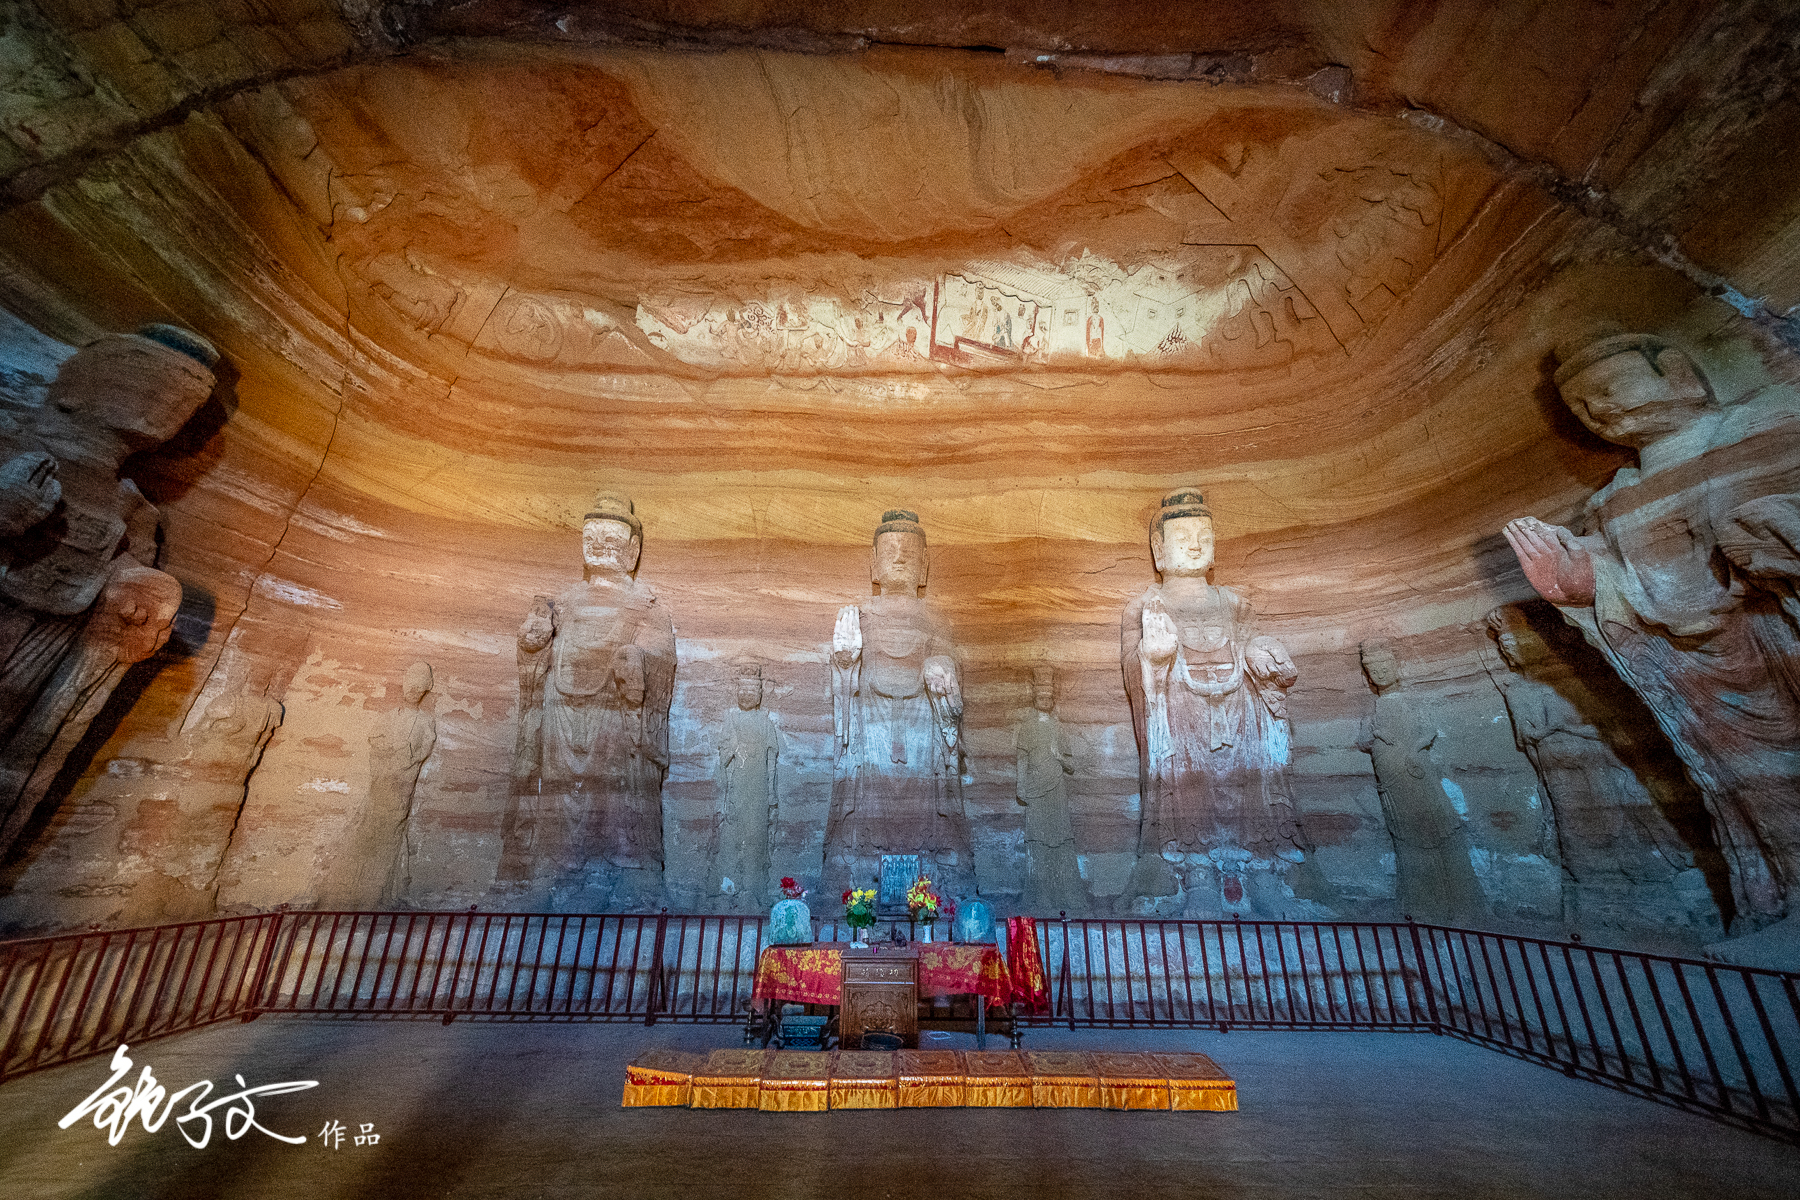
column 897, row 712
column 371, row 867
column 1209, row 705
column 80, row 598
column 1624, row 864
column 1687, row 584
column 596, row 676
column 1433, row 878
column 748, row 751
column 1052, row 875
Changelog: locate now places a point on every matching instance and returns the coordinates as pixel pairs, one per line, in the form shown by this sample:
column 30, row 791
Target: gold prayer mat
column 730, row 1079
column 660, row 1078
column 1196, row 1082
column 997, row 1079
column 1130, row 1079
column 1062, row 1079
column 796, row 1081
column 815, row 1080
column 931, row 1078
column 865, row 1079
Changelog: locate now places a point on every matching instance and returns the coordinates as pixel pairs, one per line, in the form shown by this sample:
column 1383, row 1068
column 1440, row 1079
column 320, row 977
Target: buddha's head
column 612, row 537
column 1380, row 664
column 898, row 564
column 141, row 387
column 1181, row 534
column 749, row 687
column 1632, row 388
column 416, row 683
column 1043, row 689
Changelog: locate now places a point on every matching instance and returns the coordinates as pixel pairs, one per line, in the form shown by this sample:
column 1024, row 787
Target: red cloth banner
column 1029, row 986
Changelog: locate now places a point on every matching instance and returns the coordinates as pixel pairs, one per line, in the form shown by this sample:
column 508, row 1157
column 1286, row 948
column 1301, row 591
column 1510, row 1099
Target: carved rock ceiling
column 772, row 268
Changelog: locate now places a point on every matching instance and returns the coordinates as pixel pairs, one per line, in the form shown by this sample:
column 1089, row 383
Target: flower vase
column 859, row 936
column 925, row 932
column 790, row 924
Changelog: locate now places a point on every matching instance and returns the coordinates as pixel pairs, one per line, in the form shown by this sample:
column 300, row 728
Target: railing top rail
column 74, row 935
column 1527, row 939
column 1598, row 948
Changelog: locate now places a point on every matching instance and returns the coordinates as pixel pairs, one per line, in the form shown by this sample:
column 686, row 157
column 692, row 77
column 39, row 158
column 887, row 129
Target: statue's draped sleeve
column 534, row 665
column 656, row 639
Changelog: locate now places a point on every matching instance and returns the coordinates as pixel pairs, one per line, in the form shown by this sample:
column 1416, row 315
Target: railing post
column 1067, row 991
column 1424, row 976
column 260, row 981
column 656, row 971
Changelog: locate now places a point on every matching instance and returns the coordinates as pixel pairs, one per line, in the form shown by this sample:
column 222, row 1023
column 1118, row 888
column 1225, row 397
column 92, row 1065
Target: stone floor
column 490, row 1110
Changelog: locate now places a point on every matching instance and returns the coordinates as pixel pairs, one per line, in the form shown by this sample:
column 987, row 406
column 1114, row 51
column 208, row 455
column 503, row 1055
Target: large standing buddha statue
column 596, row 677
column 1217, row 831
column 897, row 706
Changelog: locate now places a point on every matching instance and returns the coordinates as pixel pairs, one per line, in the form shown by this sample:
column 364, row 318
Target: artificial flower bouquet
column 791, row 890
column 923, row 900
column 859, row 908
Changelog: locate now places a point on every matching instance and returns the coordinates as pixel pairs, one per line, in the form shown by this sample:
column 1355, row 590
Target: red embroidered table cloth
column 813, row 974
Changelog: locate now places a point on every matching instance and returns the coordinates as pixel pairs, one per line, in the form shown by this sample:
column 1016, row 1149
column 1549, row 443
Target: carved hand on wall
column 1270, row 662
column 628, row 673
column 846, row 639
column 29, row 491
column 1553, row 559
column 539, row 627
column 1160, row 637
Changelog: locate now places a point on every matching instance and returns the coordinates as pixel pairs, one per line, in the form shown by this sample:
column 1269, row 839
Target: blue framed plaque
column 898, row 873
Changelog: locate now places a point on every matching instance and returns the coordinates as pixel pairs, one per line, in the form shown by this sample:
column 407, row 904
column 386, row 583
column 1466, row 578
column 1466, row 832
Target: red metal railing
column 67, row 998
column 1717, row 1039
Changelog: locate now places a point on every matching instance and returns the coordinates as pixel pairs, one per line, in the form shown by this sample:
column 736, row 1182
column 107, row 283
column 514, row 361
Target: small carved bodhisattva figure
column 596, row 677
column 372, row 868
column 896, row 702
column 1434, row 879
column 749, row 749
column 1052, row 874
column 1625, row 867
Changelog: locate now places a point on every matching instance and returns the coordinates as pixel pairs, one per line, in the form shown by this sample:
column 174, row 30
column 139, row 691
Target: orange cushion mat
column 815, row 1080
column 1130, row 1079
column 865, row 1079
column 931, row 1078
column 796, row 1081
column 660, row 1078
column 1197, row 1082
column 997, row 1079
column 730, row 1079
column 1062, row 1079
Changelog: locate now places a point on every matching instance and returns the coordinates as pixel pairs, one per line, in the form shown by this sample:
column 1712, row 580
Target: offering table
column 815, row 974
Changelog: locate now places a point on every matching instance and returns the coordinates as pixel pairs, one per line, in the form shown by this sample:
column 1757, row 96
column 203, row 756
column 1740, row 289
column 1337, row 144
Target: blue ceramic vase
column 974, row 921
column 790, row 924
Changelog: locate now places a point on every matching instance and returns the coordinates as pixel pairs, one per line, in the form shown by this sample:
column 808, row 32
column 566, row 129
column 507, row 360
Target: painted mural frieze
column 1218, row 832
column 596, row 678
column 1684, row 578
column 897, row 707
